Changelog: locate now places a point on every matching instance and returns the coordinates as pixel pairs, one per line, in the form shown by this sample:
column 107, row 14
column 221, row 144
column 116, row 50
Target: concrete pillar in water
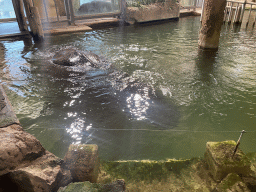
column 212, row 20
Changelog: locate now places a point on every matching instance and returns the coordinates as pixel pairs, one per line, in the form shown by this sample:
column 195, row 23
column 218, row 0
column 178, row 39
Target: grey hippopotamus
column 114, row 86
column 72, row 57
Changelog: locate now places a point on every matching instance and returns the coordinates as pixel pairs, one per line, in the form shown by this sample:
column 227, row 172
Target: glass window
column 90, row 7
column 6, row 9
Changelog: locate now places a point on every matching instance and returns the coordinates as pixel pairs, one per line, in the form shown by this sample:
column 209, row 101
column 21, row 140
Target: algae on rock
column 83, row 162
column 148, row 170
column 220, row 159
column 232, row 183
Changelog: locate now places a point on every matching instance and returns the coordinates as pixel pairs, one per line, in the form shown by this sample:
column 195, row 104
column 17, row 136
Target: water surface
column 199, row 96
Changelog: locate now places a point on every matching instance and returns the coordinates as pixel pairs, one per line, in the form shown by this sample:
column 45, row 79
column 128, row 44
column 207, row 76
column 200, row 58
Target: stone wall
column 153, row 12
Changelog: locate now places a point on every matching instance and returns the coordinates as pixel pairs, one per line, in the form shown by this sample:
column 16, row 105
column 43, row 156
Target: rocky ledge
column 26, row 166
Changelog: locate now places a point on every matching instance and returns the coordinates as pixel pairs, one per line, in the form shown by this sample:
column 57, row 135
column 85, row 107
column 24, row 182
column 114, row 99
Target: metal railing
column 234, row 11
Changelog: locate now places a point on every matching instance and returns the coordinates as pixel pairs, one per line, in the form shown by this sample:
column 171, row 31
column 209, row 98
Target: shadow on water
column 206, row 63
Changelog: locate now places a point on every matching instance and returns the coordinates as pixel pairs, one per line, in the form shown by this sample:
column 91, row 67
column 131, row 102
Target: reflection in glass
column 90, row 7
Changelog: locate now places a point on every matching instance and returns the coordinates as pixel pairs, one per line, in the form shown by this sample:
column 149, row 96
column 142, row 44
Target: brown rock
column 7, row 116
column 24, row 164
column 17, row 148
column 44, row 174
column 83, row 162
column 116, row 186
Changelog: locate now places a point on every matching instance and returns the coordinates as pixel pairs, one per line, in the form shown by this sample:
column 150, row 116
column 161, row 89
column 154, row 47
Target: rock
column 83, row 162
column 81, row 187
column 7, row 116
column 65, row 178
column 17, row 148
column 250, row 182
column 44, row 174
column 219, row 158
column 145, row 170
column 116, row 186
column 232, row 182
column 26, row 165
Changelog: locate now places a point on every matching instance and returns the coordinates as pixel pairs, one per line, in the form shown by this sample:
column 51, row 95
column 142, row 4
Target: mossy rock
column 81, row 187
column 220, row 159
column 116, row 186
column 83, row 162
column 232, row 182
column 144, row 170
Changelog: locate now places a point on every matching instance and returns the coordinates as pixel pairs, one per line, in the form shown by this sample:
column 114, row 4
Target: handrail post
column 202, row 11
column 56, row 9
column 242, row 14
column 194, row 5
column 67, row 10
column 72, row 16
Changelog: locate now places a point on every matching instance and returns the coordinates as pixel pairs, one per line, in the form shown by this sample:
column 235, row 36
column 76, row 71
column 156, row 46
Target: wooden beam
column 38, row 29
column 34, row 20
column 20, row 16
column 15, row 35
column 69, row 29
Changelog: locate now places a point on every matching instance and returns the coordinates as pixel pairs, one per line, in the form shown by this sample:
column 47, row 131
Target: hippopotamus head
column 74, row 57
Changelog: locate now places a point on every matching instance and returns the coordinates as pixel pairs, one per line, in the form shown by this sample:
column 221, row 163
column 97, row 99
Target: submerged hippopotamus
column 72, row 57
column 124, row 91
column 85, row 62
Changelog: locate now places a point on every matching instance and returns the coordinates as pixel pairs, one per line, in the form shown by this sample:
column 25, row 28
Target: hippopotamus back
column 73, row 57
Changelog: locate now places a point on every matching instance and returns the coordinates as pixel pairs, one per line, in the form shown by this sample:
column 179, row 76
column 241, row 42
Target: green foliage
column 139, row 3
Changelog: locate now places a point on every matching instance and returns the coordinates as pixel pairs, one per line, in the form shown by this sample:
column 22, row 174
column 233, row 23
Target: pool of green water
column 200, row 96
